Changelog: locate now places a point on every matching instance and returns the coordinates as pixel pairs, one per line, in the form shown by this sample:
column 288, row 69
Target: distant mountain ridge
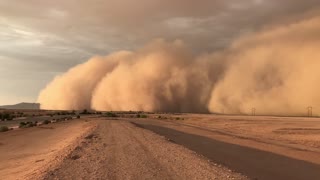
column 24, row 105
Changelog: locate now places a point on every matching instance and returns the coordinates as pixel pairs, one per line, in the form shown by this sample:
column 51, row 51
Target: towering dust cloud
column 159, row 77
column 275, row 71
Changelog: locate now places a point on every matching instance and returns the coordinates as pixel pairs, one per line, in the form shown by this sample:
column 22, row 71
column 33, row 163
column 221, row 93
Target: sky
column 40, row 39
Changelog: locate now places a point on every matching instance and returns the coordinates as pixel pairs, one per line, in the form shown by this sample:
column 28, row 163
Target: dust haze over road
column 274, row 70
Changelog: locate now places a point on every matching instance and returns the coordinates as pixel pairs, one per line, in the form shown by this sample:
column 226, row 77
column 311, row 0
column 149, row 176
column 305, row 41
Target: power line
column 309, row 111
column 253, row 111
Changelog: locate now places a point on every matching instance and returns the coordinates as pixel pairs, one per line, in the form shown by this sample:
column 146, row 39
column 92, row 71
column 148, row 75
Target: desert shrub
column 22, row 124
column 78, row 117
column 85, row 112
column 27, row 124
column 177, row 118
column 6, row 116
column 46, row 122
column 141, row 116
column 159, row 117
column 4, row 128
column 110, row 114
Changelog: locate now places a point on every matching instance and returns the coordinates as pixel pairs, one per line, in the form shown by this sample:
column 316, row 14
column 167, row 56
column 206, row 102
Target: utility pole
column 309, row 111
column 253, row 111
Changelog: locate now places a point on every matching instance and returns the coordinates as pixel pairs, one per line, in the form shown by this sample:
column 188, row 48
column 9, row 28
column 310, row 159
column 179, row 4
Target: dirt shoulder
column 120, row 150
column 29, row 153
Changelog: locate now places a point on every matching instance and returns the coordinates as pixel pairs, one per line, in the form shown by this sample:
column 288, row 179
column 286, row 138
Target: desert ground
column 164, row 146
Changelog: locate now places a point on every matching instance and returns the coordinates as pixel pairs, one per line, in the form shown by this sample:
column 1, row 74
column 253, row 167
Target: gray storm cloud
column 275, row 71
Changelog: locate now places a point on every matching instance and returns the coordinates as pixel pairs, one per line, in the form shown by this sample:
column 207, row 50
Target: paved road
column 254, row 163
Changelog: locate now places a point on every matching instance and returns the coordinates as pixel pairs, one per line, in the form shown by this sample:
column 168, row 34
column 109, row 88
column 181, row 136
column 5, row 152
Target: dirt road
column 120, row 150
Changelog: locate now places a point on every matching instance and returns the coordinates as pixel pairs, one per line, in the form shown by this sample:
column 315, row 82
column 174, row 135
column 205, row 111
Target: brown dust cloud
column 275, row 70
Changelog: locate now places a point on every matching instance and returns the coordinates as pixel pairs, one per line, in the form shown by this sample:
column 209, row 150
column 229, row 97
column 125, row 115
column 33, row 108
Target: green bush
column 141, row 116
column 6, row 116
column 110, row 114
column 22, row 124
column 10, row 118
column 144, row 116
column 4, row 128
column 27, row 124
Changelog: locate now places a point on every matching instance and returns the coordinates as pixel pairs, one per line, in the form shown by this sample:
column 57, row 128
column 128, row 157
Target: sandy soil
column 120, row 150
column 287, row 130
column 28, row 153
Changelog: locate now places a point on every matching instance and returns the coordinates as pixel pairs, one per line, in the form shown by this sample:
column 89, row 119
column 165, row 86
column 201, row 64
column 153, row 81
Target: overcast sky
column 40, row 39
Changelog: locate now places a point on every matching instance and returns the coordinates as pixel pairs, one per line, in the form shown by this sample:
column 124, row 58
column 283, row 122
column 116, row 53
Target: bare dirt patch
column 29, row 153
column 300, row 131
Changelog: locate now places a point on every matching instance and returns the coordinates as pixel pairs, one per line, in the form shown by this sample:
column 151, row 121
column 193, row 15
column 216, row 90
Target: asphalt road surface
column 255, row 164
